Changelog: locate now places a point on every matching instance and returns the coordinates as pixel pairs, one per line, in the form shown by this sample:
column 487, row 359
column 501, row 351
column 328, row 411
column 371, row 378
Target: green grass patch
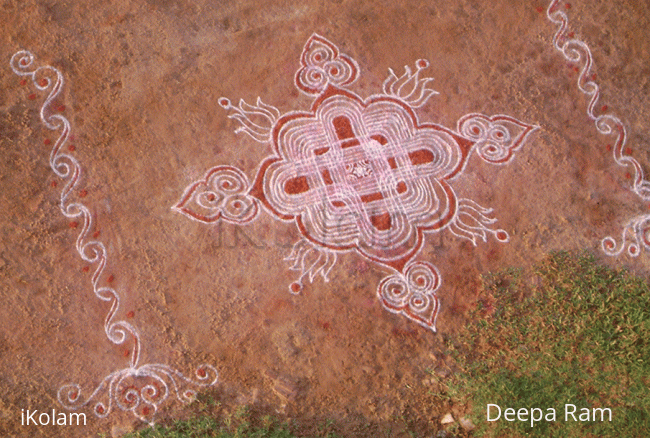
column 237, row 425
column 581, row 338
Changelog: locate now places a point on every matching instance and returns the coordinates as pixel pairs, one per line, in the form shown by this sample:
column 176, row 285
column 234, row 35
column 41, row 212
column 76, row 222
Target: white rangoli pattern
column 636, row 232
column 140, row 389
column 361, row 175
column 353, row 174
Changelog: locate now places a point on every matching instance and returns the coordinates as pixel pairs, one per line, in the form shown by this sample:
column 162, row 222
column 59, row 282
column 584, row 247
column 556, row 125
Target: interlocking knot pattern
column 362, row 175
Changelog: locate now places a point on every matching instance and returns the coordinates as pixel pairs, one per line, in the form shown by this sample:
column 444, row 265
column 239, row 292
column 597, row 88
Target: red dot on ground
column 23, row 62
column 539, row 9
column 628, row 175
column 74, row 395
column 571, row 34
column 47, row 141
column 86, row 268
column 568, row 6
column 628, row 151
column 126, row 353
column 296, row 287
column 604, row 108
column 502, row 235
column 145, row 411
column 31, row 96
column 609, row 147
column 74, row 224
column 130, row 314
column 23, row 82
column 96, row 234
column 100, row 410
column 224, row 102
column 576, row 69
column 61, row 108
column 42, row 82
column 53, row 183
column 72, row 148
column 83, row 193
column 593, row 77
column 111, row 278
column 201, row 372
column 422, row 63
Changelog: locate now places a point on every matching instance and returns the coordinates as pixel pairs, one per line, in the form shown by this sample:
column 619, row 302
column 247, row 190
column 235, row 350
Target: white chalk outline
column 158, row 381
column 347, row 163
column 634, row 235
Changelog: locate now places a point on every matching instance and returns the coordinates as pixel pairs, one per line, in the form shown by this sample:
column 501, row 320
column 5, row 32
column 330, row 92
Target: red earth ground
column 142, row 87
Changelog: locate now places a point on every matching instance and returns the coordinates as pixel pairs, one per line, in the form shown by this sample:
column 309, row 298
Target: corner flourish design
column 634, row 235
column 140, row 389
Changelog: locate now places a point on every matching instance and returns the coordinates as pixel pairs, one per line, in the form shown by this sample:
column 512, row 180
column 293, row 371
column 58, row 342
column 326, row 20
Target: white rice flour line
column 360, row 174
column 136, row 388
column 636, row 231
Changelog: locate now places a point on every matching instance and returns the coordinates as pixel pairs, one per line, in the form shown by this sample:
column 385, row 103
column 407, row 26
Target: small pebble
column 466, row 424
column 447, row 419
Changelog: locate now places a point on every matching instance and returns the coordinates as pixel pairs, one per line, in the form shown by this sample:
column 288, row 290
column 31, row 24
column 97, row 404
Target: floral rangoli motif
column 362, row 175
column 353, row 174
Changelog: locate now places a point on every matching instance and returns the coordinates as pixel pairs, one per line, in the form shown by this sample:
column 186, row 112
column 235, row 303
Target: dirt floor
column 142, row 88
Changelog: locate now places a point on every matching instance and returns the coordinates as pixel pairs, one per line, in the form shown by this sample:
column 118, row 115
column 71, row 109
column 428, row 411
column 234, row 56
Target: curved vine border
column 142, row 388
column 137, row 388
column 636, row 232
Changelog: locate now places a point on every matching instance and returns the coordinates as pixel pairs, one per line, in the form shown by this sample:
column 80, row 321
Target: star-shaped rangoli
column 362, row 175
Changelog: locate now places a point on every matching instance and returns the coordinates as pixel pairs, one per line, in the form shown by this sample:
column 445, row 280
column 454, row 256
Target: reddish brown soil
column 143, row 81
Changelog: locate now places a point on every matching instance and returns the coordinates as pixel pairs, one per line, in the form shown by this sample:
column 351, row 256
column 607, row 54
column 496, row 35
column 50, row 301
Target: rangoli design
column 636, row 232
column 361, row 175
column 140, row 389
column 353, row 175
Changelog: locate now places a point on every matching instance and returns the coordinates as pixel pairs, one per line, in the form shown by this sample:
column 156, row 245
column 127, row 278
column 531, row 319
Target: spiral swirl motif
column 136, row 388
column 229, row 181
column 338, row 71
column 634, row 237
column 422, row 277
column 412, row 294
column 419, row 301
column 578, row 52
column 322, row 64
column 239, row 208
column 496, row 137
column 394, row 292
column 221, row 194
column 314, row 78
column 139, row 390
column 476, row 129
column 209, row 199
